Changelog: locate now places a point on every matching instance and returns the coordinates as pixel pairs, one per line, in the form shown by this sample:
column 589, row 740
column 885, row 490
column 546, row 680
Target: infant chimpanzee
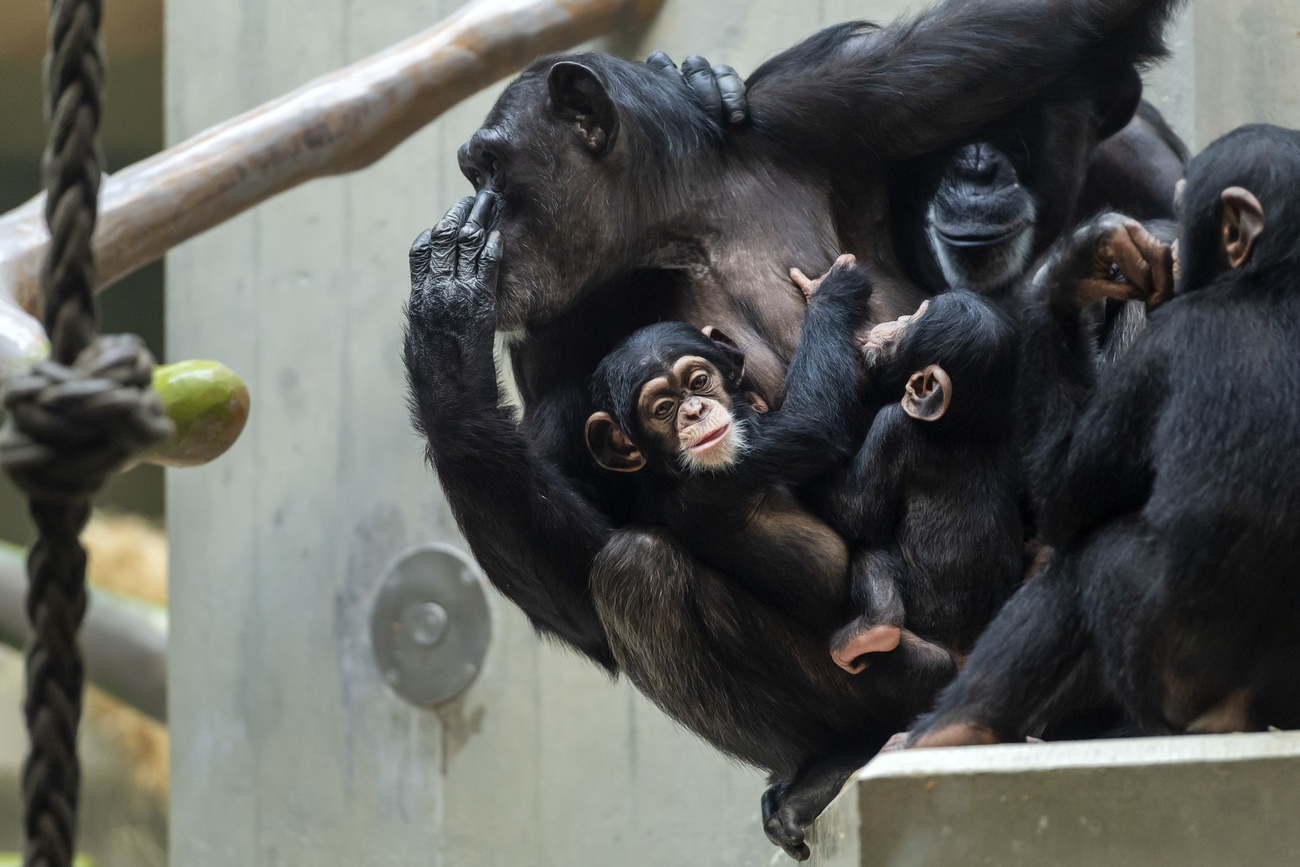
column 673, row 404
column 930, row 503
column 930, row 497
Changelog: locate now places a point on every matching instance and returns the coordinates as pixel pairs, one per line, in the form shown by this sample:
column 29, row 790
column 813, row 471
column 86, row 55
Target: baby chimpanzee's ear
column 610, row 446
column 1243, row 223
column 928, row 394
column 729, row 349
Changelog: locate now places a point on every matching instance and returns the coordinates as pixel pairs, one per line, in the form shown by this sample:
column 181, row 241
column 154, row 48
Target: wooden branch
column 338, row 123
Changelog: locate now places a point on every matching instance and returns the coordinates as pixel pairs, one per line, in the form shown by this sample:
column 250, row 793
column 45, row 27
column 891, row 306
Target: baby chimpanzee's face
column 688, row 413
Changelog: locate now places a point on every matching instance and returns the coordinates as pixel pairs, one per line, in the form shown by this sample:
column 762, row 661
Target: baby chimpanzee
column 931, row 501
column 674, row 401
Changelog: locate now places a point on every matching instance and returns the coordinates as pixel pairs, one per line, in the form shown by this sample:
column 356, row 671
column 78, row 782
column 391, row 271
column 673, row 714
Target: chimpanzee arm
column 813, row 430
column 1104, row 465
column 534, row 536
column 1086, row 441
column 864, row 504
column 913, row 87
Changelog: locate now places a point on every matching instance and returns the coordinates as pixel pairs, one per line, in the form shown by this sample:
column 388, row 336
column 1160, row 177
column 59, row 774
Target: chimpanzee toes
column 955, row 735
column 785, row 829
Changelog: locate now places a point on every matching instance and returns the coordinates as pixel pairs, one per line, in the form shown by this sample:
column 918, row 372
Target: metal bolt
column 426, row 623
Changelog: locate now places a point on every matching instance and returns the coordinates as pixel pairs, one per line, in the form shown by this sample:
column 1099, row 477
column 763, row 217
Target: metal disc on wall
column 430, row 628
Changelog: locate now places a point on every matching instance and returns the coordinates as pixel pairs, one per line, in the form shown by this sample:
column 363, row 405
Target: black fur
column 1167, row 488
column 941, row 497
column 670, row 217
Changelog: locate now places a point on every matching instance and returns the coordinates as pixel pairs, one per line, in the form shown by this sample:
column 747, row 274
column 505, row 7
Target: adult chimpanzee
column 1169, row 493
column 619, row 205
column 977, row 229
column 979, row 224
column 932, row 497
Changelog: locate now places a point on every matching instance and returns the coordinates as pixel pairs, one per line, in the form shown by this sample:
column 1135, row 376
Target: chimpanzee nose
column 478, row 161
column 979, row 165
column 693, row 409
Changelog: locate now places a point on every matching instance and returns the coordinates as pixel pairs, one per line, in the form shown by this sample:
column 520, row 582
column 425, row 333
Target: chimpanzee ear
column 610, row 446
column 578, row 95
column 1243, row 223
column 928, row 394
column 1117, row 100
column 729, row 349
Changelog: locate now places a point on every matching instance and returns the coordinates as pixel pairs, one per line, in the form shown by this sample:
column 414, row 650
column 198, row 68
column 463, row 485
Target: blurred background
column 293, row 750
column 124, row 818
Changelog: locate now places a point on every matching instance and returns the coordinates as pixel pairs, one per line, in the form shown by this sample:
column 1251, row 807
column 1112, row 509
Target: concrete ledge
column 1216, row 800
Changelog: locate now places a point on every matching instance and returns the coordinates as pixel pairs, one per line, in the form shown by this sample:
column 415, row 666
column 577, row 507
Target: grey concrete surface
column 1204, row 801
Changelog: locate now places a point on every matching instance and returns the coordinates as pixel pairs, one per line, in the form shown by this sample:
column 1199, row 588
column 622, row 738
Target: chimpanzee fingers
column 699, row 75
column 806, row 284
column 419, row 258
column 490, row 261
column 784, row 829
column 473, row 236
column 480, row 216
column 1129, row 262
column 442, row 246
column 732, row 88
column 660, row 62
column 1160, row 259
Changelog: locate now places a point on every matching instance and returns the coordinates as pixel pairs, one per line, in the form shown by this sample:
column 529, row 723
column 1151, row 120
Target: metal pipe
column 124, row 641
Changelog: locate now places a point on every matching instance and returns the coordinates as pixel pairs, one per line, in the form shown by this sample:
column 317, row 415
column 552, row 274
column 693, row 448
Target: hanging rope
column 73, row 421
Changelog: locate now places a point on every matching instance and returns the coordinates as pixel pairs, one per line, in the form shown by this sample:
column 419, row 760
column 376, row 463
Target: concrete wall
column 287, row 746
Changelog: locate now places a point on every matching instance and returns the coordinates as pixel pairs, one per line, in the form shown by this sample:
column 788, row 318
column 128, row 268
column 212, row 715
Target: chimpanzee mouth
column 710, row 440
column 985, row 237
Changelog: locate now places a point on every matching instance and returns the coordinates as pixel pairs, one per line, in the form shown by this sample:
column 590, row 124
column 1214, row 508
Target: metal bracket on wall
column 430, row 627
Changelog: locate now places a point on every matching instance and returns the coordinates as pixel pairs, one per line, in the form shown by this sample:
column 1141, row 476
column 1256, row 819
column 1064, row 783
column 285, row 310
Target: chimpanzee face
column 552, row 152
column 981, row 221
column 689, row 415
column 670, row 397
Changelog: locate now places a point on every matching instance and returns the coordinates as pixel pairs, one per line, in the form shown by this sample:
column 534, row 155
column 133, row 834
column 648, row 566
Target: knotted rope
column 73, row 421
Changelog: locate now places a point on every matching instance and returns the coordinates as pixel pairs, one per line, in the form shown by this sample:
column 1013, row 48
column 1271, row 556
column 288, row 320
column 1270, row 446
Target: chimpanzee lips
column 710, row 440
column 984, row 236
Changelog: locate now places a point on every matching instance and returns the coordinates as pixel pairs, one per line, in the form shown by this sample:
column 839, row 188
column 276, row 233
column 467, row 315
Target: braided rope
column 73, row 421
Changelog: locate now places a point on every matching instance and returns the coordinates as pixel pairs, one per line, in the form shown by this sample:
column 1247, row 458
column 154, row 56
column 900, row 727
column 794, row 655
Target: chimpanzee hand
column 810, row 286
column 454, row 268
column 1115, row 257
column 878, row 344
column 718, row 89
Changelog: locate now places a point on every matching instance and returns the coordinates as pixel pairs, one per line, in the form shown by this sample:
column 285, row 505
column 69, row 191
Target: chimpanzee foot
column 780, row 824
column 877, row 639
column 895, row 743
column 955, row 735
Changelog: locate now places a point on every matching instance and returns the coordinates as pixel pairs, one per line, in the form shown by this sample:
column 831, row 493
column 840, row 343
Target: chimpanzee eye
column 699, row 381
column 663, row 409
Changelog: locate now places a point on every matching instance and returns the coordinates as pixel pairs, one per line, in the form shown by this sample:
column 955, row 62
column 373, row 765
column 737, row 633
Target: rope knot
column 70, row 428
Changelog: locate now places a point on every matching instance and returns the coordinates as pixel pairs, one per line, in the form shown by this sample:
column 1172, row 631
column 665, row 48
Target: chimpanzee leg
column 789, row 807
column 752, row 682
column 1016, row 667
column 876, row 573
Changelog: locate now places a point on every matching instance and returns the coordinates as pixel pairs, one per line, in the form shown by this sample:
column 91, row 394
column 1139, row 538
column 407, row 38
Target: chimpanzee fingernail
column 480, row 215
column 737, row 116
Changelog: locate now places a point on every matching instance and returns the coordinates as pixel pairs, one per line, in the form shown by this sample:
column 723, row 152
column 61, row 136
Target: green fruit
column 208, row 403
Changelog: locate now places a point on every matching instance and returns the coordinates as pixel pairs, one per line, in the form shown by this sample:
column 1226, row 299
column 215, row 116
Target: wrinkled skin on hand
column 1120, row 259
column 454, row 269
